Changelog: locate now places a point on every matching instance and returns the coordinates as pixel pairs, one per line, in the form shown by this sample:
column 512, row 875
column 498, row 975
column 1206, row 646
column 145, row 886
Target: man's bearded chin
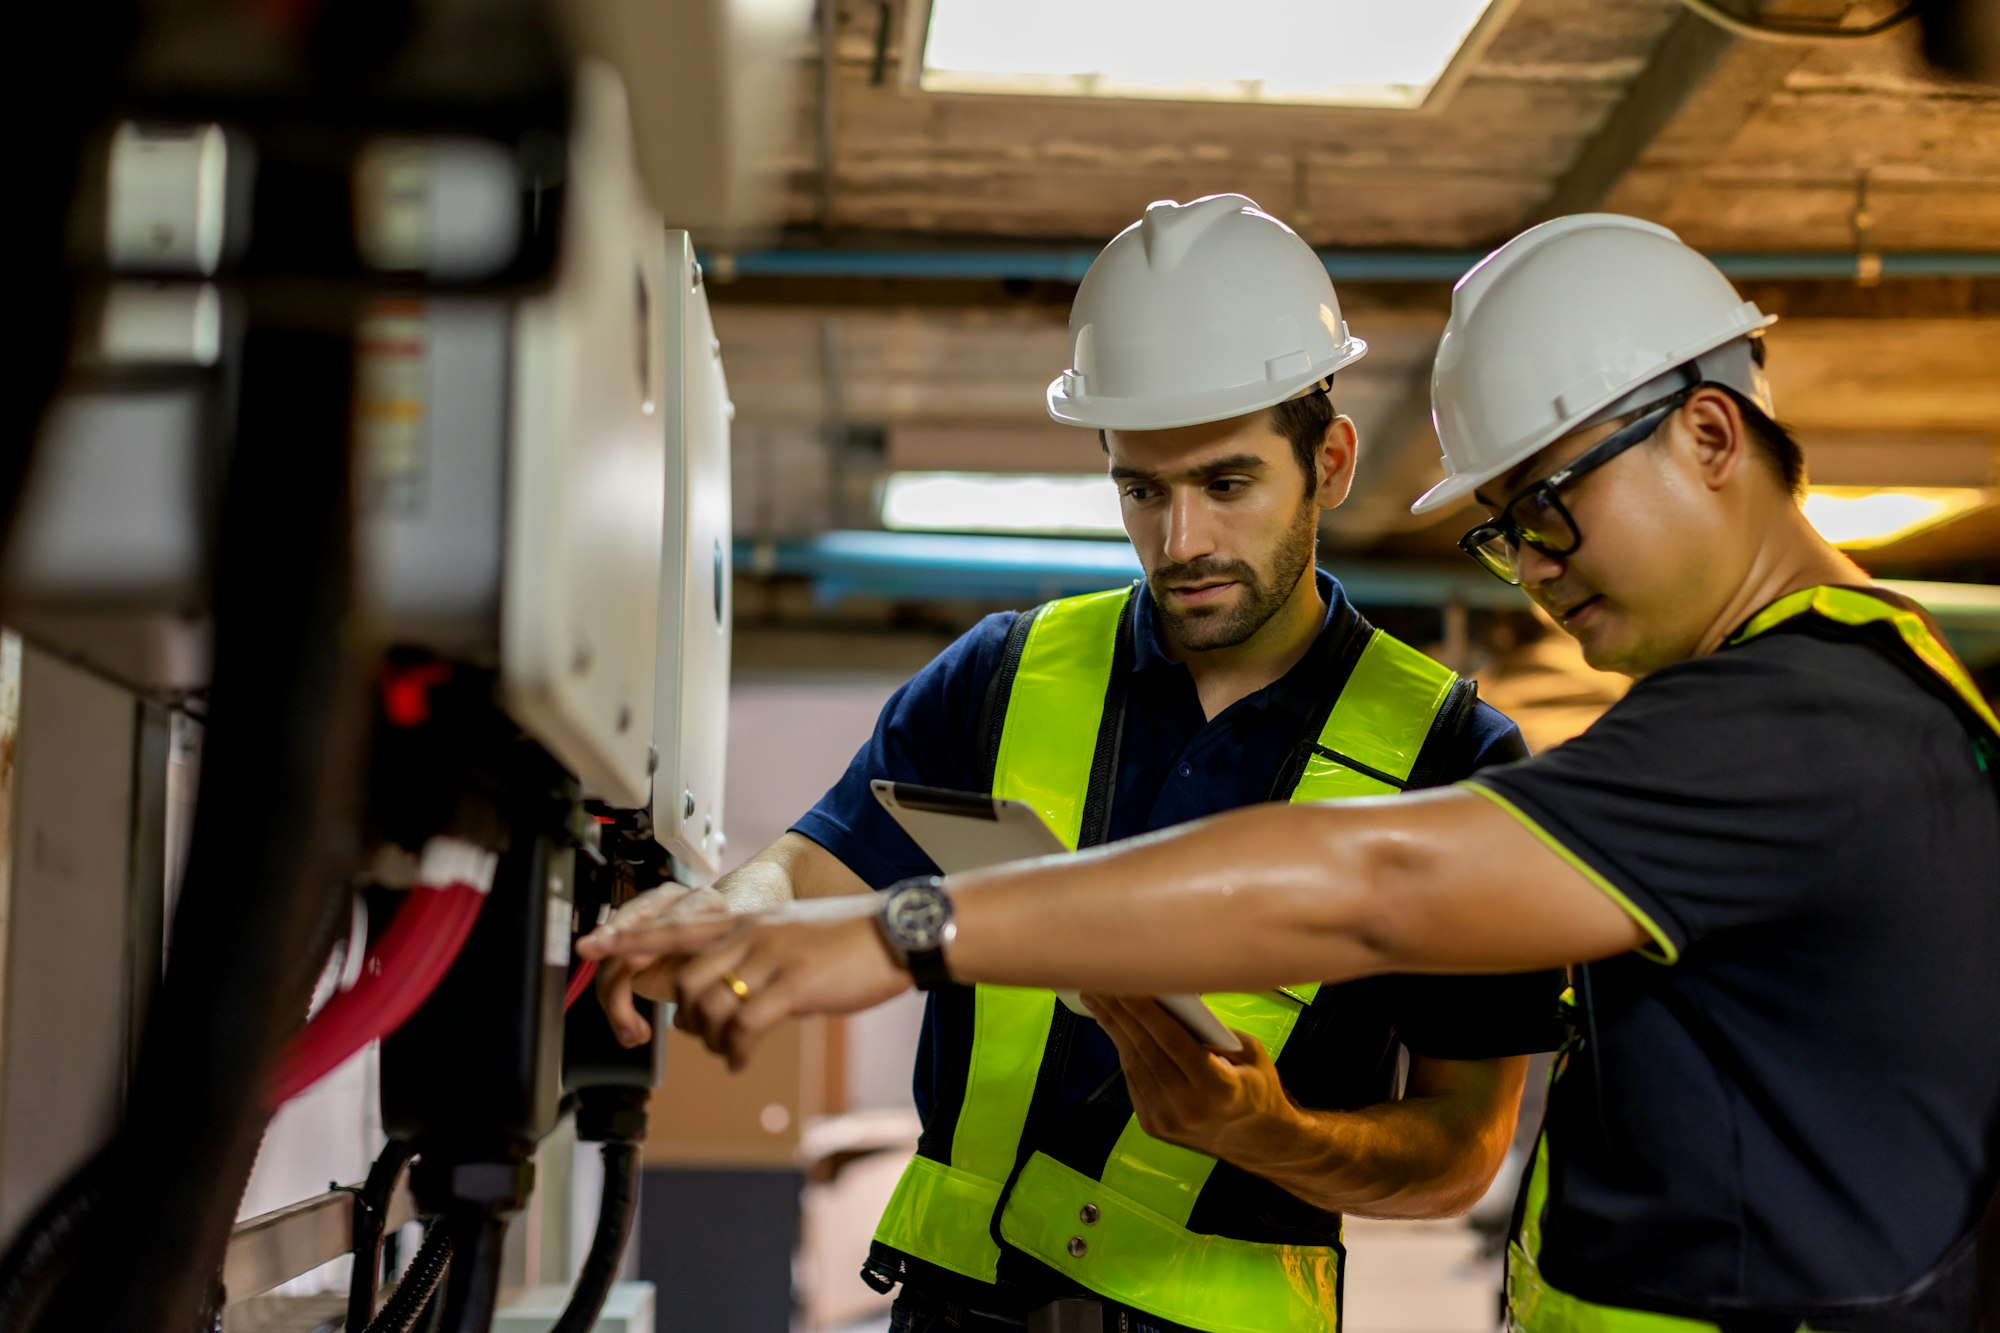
column 1206, row 628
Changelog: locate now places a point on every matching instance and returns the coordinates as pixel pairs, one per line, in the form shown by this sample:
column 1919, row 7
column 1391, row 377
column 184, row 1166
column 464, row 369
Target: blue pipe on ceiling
column 1067, row 265
column 1023, row 571
column 922, row 566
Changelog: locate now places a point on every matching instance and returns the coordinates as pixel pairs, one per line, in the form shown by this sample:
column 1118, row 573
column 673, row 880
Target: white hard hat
column 1199, row 312
column 1573, row 322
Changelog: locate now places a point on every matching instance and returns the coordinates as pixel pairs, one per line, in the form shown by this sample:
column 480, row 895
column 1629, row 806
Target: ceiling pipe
column 922, row 566
column 929, row 567
column 1067, row 265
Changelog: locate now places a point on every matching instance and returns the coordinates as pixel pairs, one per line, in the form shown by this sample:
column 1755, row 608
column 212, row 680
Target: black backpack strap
column 993, row 711
column 1443, row 759
column 1096, row 824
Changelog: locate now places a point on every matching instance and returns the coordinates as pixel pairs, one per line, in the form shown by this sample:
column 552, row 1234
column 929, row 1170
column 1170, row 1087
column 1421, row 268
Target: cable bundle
column 401, row 971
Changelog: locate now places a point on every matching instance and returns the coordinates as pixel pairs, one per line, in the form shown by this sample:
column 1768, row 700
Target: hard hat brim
column 1105, row 413
column 1450, row 491
column 1457, row 487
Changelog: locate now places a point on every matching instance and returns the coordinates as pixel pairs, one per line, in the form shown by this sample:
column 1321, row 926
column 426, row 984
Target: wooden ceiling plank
column 1682, row 63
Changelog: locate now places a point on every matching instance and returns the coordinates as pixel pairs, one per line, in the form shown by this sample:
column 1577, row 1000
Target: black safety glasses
column 1536, row 517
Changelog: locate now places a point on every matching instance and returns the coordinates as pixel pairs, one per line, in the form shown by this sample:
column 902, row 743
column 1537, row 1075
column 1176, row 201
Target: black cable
column 472, row 1290
column 272, row 844
column 33, row 1260
column 420, row 1282
column 371, row 1210
column 615, row 1211
column 1783, row 31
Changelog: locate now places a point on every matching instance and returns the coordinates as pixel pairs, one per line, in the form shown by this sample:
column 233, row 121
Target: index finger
column 1169, row 1033
column 614, row 993
column 682, row 937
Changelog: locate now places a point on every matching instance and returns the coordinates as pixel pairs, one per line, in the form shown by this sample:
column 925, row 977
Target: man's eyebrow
column 1210, row 468
column 1512, row 484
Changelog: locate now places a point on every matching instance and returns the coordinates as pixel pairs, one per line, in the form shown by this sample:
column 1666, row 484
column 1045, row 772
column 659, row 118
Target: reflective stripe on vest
column 1138, row 1250
column 1533, row 1306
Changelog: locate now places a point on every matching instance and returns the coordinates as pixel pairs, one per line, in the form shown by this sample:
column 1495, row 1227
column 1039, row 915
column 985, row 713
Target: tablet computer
column 967, row 831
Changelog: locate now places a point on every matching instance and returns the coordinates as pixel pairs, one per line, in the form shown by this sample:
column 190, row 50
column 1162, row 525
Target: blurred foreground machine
column 394, row 463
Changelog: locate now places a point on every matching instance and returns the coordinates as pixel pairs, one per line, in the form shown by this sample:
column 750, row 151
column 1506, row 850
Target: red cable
column 580, row 983
column 400, row 973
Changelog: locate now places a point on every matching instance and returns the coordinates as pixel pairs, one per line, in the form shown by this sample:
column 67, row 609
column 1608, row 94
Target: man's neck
column 1794, row 559
column 1224, row 675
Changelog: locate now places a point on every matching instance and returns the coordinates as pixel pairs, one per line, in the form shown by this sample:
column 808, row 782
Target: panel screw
column 687, row 805
column 1077, row 1247
column 1089, row 1214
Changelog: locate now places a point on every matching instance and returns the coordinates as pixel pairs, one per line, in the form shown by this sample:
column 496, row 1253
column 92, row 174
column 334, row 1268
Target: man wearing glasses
column 1775, row 863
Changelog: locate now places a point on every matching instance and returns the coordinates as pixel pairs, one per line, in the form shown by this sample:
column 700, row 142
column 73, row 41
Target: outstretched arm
column 1446, row 881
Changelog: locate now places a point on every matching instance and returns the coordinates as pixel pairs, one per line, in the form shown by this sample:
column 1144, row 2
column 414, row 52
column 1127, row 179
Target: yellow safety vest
column 1124, row 1234
column 1533, row 1305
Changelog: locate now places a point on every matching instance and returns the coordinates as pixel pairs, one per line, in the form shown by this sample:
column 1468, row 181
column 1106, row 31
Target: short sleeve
column 1491, row 738
column 924, row 734
column 1478, row 1017
column 1695, row 800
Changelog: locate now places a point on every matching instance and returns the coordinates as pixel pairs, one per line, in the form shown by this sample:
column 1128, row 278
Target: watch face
column 917, row 917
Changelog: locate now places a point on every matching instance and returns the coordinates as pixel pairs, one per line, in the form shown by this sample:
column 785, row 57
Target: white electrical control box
column 587, row 467
column 695, row 610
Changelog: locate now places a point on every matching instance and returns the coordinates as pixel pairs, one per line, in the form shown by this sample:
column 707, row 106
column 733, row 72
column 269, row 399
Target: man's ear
column 1337, row 451
column 1718, row 435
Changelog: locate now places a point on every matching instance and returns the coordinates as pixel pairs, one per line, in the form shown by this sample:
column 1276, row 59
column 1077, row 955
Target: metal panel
column 74, row 941
column 581, row 601
column 432, row 422
column 695, row 610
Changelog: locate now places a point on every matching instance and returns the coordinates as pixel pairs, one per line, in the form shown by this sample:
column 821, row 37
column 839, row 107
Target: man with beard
column 1204, row 342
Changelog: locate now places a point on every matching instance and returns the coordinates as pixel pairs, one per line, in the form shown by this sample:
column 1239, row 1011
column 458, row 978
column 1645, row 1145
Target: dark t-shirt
column 1175, row 765
column 1804, row 1105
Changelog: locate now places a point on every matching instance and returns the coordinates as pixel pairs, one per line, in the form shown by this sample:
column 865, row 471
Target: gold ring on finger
column 736, row 985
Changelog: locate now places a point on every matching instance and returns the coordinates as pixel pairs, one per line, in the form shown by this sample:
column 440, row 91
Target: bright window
column 1858, row 517
column 999, row 502
column 1376, row 53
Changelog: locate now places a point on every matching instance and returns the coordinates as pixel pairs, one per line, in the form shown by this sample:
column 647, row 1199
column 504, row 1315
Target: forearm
column 791, row 868
column 1442, row 881
column 1413, row 1158
column 1243, row 901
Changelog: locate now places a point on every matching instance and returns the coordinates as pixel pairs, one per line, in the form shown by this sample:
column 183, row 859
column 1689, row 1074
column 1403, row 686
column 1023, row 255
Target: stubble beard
column 1205, row 629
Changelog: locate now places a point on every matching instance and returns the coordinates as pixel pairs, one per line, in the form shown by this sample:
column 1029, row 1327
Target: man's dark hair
column 1780, row 446
column 1302, row 421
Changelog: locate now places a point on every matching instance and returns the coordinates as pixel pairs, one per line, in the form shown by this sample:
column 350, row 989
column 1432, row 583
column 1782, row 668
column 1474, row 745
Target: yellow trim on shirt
column 1667, row 953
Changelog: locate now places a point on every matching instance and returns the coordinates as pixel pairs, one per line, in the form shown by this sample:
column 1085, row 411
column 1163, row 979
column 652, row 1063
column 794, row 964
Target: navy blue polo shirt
column 1175, row 765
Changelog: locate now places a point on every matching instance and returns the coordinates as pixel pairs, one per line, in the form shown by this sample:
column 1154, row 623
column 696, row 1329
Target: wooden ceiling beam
column 1681, row 63
column 1698, row 91
column 1901, row 298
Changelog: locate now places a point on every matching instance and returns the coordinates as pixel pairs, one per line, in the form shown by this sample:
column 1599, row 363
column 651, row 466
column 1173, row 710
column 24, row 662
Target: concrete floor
column 1402, row 1277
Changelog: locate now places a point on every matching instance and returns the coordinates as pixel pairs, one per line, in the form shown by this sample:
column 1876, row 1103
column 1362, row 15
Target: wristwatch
column 916, row 921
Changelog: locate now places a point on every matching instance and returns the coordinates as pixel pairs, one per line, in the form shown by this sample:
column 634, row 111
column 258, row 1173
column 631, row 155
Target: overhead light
column 1322, row 52
column 1859, row 517
column 999, row 502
